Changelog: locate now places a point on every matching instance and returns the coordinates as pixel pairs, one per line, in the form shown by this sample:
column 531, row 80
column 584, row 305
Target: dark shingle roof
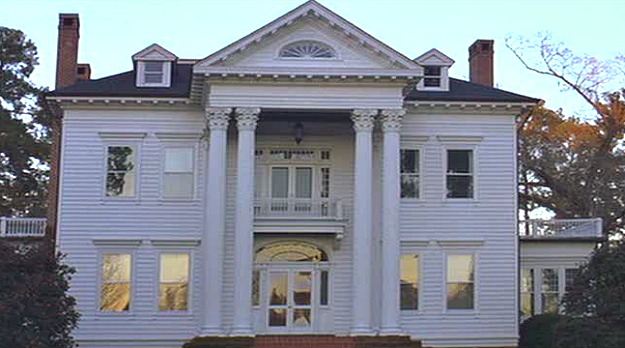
column 460, row 90
column 123, row 85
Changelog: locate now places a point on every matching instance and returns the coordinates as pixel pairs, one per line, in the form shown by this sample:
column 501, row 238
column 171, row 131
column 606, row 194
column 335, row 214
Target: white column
column 244, row 221
column 391, row 251
column 213, row 244
column 362, row 233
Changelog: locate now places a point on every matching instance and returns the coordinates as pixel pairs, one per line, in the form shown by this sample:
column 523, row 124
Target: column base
column 361, row 331
column 208, row 331
column 242, row 332
column 392, row 331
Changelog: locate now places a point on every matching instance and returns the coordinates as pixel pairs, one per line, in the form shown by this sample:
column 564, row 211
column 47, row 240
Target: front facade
column 305, row 180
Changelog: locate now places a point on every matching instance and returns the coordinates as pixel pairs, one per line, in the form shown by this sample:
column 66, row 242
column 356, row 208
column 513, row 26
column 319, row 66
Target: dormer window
column 431, row 76
column 153, row 74
column 307, row 50
column 435, row 71
column 154, row 66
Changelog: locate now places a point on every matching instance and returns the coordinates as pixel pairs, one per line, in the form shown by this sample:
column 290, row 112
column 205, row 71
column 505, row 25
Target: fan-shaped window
column 290, row 252
column 307, row 49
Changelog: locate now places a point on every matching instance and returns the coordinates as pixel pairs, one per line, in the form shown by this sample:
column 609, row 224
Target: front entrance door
column 290, row 300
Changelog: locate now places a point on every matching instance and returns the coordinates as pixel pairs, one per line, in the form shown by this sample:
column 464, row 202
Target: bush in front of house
column 538, row 331
column 35, row 309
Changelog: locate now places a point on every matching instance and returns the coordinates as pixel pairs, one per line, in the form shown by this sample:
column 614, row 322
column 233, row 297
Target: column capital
column 217, row 117
column 391, row 119
column 363, row 119
column 247, row 118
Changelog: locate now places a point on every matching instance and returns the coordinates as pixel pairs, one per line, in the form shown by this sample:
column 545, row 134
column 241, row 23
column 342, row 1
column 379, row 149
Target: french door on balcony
column 291, row 189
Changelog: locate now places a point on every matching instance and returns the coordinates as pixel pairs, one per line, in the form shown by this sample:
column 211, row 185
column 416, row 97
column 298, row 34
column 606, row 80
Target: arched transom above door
column 290, row 252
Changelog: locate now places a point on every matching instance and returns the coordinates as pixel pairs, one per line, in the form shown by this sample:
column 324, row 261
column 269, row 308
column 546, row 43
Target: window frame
column 421, row 176
column 194, row 161
column 136, row 147
column 474, row 174
column 475, row 256
column 156, row 305
column 166, row 73
column 439, row 76
column 419, row 254
column 100, row 281
column 285, row 45
column 531, row 292
column 315, row 171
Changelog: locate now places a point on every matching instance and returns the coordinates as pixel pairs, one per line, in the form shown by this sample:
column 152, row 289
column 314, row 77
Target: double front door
column 290, row 299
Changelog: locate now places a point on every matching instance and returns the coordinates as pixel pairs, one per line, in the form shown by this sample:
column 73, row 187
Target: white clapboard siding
column 86, row 215
column 485, row 227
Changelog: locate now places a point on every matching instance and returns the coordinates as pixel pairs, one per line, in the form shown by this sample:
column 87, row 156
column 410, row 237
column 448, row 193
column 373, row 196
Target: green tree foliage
column 35, row 311
column 538, row 331
column 595, row 303
column 24, row 139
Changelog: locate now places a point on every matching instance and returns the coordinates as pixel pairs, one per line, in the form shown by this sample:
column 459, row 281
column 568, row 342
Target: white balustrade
column 299, row 208
column 22, row 227
column 560, row 229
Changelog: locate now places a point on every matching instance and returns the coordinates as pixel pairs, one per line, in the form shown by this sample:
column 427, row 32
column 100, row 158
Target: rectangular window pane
column 277, row 317
column 120, row 176
column 409, row 186
column 153, row 66
column 152, row 77
column 278, row 282
column 409, row 161
column 460, row 281
column 116, row 274
column 409, row 282
column 178, row 185
column 549, row 291
column 174, row 282
column 432, row 82
column 325, row 281
column 255, row 287
column 325, row 183
column 179, row 160
column 527, row 293
column 303, row 182
column 459, row 161
column 302, row 288
column 431, row 70
column 459, row 186
column 569, row 277
column 279, row 182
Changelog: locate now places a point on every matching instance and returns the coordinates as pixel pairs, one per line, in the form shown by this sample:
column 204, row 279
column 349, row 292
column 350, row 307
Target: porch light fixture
column 299, row 132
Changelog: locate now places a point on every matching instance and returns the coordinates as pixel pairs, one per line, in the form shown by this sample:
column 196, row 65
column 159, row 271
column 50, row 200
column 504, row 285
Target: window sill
column 123, row 200
column 461, row 312
column 194, row 201
column 460, row 200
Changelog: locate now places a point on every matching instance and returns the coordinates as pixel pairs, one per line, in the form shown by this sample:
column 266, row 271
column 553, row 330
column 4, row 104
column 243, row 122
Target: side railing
column 561, row 229
column 22, row 227
column 299, row 208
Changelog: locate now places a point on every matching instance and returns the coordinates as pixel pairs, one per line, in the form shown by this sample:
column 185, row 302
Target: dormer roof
column 434, row 57
column 154, row 52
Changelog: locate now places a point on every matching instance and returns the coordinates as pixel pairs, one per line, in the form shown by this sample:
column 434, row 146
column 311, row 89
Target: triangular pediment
column 434, row 57
column 314, row 25
column 154, row 52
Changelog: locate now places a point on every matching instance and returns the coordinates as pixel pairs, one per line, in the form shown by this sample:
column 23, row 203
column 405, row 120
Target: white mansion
column 305, row 186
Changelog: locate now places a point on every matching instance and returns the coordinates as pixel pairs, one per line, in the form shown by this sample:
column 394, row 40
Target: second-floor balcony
column 561, row 229
column 298, row 208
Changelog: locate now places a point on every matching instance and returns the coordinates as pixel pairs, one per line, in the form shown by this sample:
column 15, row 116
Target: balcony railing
column 561, row 229
column 22, row 227
column 299, row 208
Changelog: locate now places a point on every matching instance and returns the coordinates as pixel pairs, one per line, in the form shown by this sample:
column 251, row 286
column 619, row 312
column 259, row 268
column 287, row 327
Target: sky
column 111, row 31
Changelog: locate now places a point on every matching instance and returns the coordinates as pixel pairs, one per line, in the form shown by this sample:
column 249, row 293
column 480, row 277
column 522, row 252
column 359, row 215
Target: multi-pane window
column 324, row 287
column 174, row 282
column 409, row 282
column 431, row 76
column 120, row 171
column 527, row 292
column 153, row 72
column 459, row 176
column 549, row 291
column 410, row 171
column 569, row 278
column 460, row 281
column 325, row 182
column 115, row 291
column 255, row 287
column 178, row 172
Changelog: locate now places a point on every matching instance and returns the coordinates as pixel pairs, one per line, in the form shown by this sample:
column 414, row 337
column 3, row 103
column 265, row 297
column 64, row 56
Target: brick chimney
column 481, row 62
column 67, row 50
column 83, row 71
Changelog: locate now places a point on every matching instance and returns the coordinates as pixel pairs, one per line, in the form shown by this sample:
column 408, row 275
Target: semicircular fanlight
column 307, row 49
